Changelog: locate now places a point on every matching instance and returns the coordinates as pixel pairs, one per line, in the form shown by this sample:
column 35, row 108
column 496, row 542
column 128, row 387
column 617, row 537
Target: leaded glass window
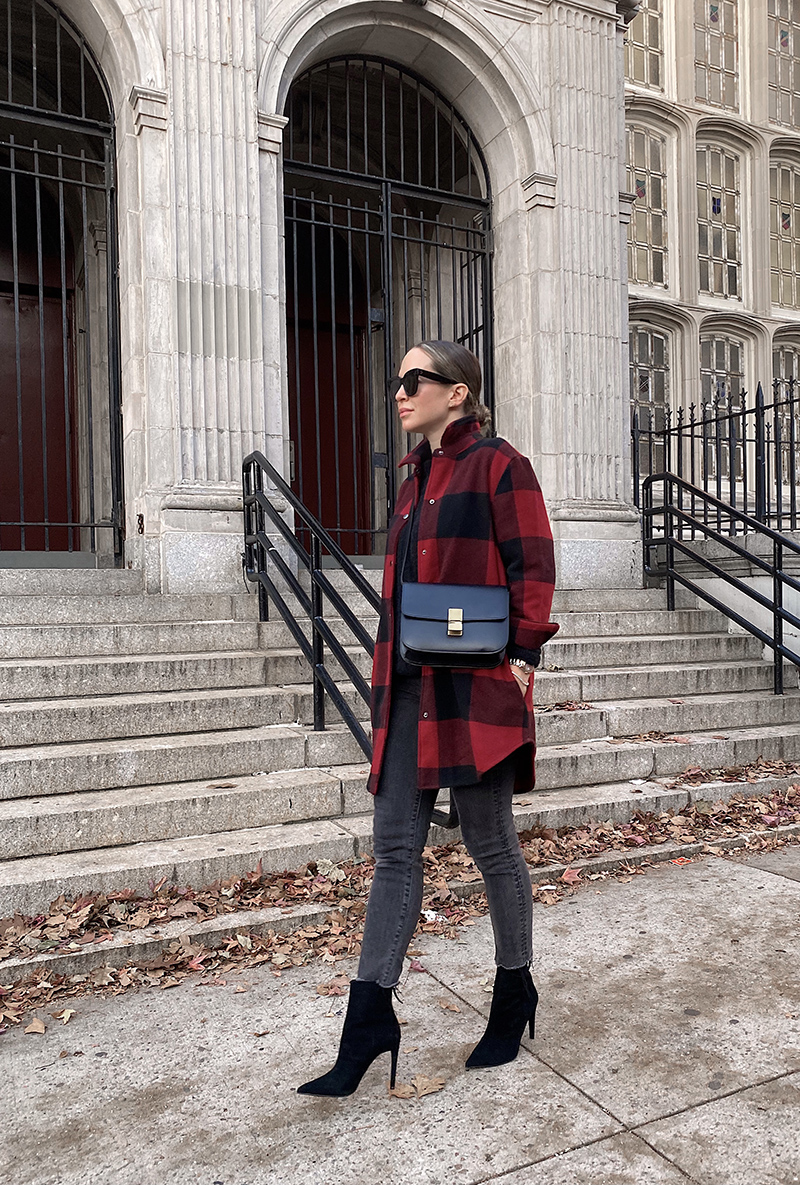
column 721, row 367
column 649, row 374
column 716, row 53
column 721, row 379
column 784, row 232
column 644, row 47
column 784, row 62
column 647, row 231
column 650, row 392
column 718, row 216
column 786, row 376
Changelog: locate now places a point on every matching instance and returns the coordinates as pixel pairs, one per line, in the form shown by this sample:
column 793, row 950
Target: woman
column 476, row 517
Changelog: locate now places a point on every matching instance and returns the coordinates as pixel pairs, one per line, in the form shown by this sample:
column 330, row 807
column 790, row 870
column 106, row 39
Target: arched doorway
column 387, row 216
column 60, row 452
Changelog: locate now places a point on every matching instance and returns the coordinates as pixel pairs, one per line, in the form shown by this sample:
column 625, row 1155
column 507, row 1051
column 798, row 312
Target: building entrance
column 60, row 452
column 387, row 215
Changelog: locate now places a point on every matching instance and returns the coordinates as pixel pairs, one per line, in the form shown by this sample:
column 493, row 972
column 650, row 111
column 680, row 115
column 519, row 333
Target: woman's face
column 434, row 406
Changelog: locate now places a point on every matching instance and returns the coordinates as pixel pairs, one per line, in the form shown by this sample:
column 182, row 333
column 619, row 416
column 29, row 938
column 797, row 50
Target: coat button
column 439, row 452
column 424, row 551
column 424, row 715
column 431, row 500
column 405, row 516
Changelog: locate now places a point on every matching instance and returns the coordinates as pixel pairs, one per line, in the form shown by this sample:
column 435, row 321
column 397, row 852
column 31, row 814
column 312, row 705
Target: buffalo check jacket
column 482, row 521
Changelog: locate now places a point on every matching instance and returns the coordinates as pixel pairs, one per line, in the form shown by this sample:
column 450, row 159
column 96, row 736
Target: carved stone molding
column 98, row 233
column 149, row 108
column 626, row 201
column 539, row 190
column 628, row 9
column 270, row 131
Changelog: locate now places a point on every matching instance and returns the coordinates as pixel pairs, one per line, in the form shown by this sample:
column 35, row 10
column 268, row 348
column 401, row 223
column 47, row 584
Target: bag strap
column 407, row 540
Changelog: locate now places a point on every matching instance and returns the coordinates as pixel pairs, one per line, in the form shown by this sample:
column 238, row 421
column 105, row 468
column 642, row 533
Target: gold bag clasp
column 455, row 623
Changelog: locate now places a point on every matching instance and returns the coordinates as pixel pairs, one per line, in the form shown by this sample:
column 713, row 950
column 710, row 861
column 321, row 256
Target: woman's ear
column 458, row 394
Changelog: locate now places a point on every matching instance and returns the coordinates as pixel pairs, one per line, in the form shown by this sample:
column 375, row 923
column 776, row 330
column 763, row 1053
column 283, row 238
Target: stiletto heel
column 514, row 1001
column 395, row 1052
column 370, row 1029
column 531, row 1027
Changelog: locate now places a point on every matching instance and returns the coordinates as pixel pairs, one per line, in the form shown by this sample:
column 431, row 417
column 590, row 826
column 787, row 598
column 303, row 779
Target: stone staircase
column 148, row 737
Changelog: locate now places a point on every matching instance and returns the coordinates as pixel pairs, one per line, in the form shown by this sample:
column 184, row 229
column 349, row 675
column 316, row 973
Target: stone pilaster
column 214, row 156
column 594, row 520
column 218, row 355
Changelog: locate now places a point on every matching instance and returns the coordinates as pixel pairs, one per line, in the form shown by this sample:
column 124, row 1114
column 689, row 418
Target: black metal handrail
column 674, row 513
column 259, row 549
column 745, row 455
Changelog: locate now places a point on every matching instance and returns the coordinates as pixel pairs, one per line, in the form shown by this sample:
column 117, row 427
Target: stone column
column 217, row 373
column 593, row 516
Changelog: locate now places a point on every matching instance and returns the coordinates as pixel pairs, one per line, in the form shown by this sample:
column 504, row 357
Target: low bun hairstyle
column 461, row 365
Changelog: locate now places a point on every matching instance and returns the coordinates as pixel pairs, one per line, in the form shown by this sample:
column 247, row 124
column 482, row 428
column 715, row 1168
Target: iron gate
column 60, row 443
column 387, row 218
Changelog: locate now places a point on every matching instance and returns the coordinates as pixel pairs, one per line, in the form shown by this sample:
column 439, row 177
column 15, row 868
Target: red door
column 38, row 462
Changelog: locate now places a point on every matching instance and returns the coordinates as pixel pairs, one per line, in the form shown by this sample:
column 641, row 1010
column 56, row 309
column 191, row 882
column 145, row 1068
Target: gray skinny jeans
column 400, row 830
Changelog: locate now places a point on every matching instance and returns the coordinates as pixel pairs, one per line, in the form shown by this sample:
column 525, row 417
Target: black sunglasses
column 410, row 381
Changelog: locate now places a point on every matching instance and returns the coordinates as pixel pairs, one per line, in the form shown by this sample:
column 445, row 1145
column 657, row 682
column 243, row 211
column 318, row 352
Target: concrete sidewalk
column 667, row 1050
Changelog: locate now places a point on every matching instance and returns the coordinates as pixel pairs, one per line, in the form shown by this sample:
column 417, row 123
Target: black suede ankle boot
column 370, row 1029
column 513, row 1007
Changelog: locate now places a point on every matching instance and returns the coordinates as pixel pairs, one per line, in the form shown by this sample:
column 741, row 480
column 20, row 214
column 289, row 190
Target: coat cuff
column 531, row 656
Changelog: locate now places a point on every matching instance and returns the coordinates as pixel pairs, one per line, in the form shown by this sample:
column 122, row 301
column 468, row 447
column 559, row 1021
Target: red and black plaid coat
column 482, row 521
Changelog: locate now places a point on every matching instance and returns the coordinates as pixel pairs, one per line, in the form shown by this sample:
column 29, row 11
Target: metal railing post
column 670, row 550
column 317, row 642
column 777, row 617
column 761, row 459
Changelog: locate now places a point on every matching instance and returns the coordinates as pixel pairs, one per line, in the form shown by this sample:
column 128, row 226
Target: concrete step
column 150, row 714
column 74, row 582
column 153, row 637
column 586, row 653
column 86, row 718
column 103, row 765
column 28, row 885
column 578, row 625
column 110, row 675
column 112, row 818
column 121, row 609
column 637, row 622
column 38, row 771
column 105, row 818
column 665, row 680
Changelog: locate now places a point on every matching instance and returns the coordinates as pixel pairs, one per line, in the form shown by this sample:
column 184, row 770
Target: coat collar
column 458, row 437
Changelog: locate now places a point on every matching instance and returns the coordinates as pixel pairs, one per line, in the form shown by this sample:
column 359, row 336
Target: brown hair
column 460, row 364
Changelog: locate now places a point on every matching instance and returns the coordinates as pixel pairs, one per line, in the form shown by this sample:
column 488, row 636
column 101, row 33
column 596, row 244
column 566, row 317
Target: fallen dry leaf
column 450, row 1005
column 402, row 1090
column 415, row 965
column 424, row 1085
column 65, row 1015
column 36, row 1026
column 570, row 876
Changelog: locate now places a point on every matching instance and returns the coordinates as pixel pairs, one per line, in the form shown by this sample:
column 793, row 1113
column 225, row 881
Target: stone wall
column 199, row 88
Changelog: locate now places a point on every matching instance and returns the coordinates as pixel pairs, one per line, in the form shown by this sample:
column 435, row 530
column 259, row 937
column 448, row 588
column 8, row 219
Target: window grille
column 784, row 62
column 647, row 230
column 785, row 427
column 718, row 212
column 716, row 67
column 644, row 46
column 784, row 225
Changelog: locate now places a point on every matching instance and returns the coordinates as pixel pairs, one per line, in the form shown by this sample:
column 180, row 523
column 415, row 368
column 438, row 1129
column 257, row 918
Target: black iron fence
column 743, row 453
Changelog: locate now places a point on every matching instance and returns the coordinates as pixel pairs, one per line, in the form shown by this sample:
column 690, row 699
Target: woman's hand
column 522, row 676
